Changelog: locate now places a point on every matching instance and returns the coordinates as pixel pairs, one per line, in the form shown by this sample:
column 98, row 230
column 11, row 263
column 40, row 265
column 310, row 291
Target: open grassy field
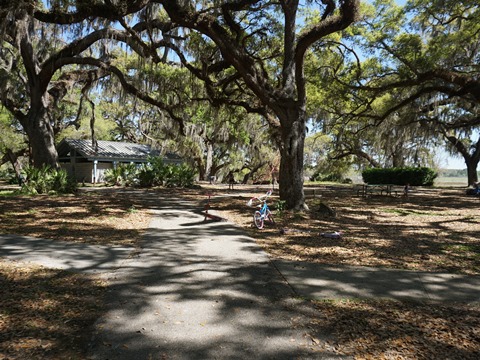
column 451, row 181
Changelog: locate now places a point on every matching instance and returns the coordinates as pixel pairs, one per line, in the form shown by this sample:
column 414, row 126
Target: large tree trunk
column 36, row 122
column 472, row 175
column 471, row 159
column 41, row 138
column 291, row 162
column 287, row 99
column 398, row 158
column 200, row 168
column 13, row 158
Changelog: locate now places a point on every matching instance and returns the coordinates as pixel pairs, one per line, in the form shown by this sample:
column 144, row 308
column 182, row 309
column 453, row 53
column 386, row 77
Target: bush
column 146, row 176
column 122, row 175
column 9, row 176
column 179, row 176
column 184, row 175
column 113, row 176
column 330, row 177
column 46, row 180
column 400, row 176
column 155, row 173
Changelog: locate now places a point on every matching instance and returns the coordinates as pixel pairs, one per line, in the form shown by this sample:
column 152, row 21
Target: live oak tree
column 12, row 142
column 42, row 58
column 400, row 140
column 423, row 64
column 257, row 60
column 219, row 139
column 32, row 86
column 259, row 52
column 453, row 108
column 88, row 121
column 213, row 137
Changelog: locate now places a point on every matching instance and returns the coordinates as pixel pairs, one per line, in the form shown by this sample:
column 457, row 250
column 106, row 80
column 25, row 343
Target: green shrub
column 146, row 176
column 113, row 176
column 179, row 176
column 280, row 206
column 421, row 176
column 330, row 177
column 154, row 173
column 129, row 174
column 159, row 169
column 122, row 175
column 184, row 175
column 46, row 180
column 9, row 176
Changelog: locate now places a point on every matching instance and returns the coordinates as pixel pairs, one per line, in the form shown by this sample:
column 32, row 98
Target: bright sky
column 446, row 161
column 453, row 163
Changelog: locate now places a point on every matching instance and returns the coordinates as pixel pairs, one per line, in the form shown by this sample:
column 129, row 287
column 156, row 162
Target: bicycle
column 263, row 213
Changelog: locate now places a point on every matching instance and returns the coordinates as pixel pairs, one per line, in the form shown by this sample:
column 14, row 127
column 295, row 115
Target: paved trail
column 199, row 291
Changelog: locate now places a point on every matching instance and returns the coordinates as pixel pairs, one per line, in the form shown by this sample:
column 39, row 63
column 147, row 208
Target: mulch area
column 100, row 217
column 387, row 329
column 45, row 313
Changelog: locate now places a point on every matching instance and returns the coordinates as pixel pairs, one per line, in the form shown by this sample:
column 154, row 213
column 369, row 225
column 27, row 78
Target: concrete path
column 315, row 281
column 204, row 290
column 63, row 255
column 199, row 291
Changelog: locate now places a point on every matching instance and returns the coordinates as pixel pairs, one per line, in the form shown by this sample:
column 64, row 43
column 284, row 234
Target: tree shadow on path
column 202, row 291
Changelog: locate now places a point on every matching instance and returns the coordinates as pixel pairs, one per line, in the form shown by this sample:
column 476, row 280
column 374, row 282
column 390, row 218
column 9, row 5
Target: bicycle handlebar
column 260, row 198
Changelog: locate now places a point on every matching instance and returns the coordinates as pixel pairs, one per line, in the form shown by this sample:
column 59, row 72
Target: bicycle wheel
column 269, row 217
column 258, row 220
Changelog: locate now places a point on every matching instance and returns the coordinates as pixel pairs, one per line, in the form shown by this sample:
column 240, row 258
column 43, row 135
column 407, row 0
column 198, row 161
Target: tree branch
column 87, row 10
column 349, row 11
column 131, row 89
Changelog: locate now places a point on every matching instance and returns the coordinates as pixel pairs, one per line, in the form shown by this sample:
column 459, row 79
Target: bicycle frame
column 263, row 213
column 264, row 208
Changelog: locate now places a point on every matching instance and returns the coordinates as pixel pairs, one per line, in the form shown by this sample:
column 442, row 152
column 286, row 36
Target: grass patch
column 463, row 250
column 132, row 210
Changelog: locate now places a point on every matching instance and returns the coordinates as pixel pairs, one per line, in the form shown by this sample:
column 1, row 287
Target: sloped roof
column 109, row 150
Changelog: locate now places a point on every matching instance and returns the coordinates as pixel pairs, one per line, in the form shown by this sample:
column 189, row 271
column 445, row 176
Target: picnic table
column 370, row 189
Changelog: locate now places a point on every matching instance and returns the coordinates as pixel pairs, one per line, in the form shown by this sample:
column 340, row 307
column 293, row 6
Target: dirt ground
column 431, row 230
column 94, row 217
column 46, row 313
